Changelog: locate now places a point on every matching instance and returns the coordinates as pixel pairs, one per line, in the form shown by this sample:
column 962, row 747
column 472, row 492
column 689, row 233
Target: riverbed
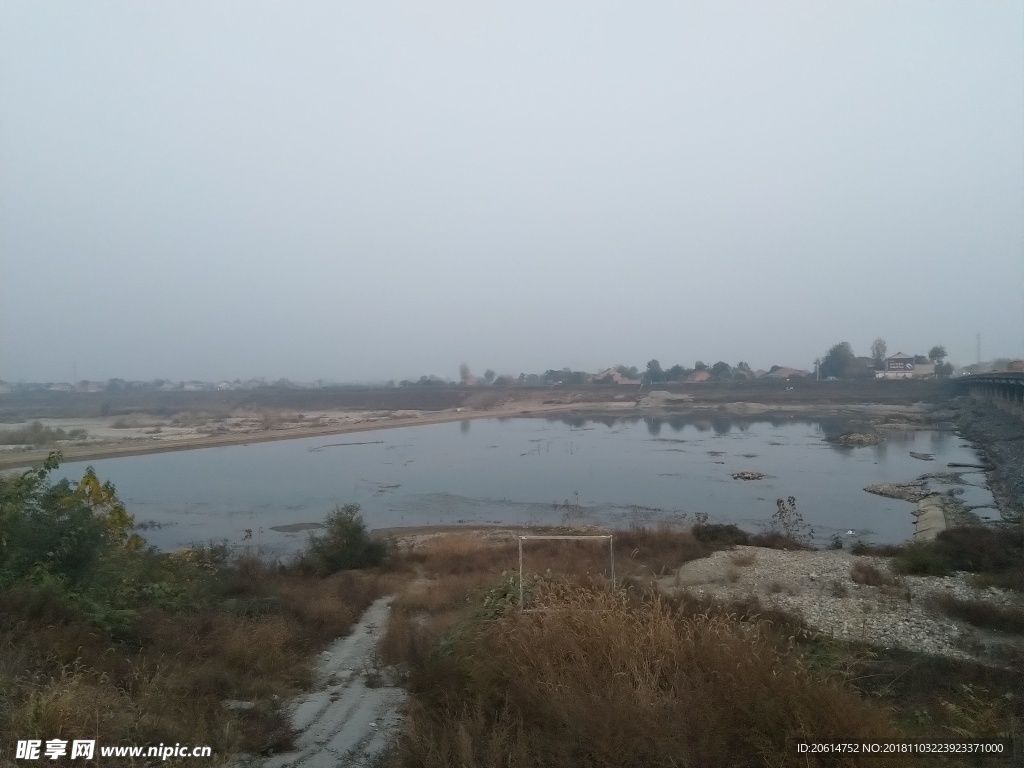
column 532, row 471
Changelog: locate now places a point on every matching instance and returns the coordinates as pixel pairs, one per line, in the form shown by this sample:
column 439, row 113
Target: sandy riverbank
column 107, row 437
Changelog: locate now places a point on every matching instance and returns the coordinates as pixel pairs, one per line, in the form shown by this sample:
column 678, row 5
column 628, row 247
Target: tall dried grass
column 603, row 679
column 62, row 677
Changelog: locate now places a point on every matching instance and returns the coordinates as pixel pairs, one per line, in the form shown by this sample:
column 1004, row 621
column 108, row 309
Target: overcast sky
column 374, row 190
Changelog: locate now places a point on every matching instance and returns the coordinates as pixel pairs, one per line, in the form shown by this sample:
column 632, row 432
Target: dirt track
column 353, row 715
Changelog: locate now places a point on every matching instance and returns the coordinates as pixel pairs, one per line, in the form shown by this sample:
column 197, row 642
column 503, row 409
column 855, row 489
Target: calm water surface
column 533, row 471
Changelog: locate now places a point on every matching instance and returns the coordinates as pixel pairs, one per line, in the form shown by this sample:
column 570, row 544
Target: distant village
column 897, row 366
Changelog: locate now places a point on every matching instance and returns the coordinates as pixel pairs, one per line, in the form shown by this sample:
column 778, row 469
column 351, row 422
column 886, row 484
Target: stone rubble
column 817, row 586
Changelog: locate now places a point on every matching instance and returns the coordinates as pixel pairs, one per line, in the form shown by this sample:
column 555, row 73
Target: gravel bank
column 818, row 586
column 1000, row 438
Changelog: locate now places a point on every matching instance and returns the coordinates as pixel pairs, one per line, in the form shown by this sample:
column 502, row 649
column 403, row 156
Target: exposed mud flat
column 141, row 433
column 912, row 491
column 855, row 439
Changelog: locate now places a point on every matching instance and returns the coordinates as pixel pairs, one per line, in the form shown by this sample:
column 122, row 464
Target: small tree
column 465, row 374
column 700, row 365
column 721, row 370
column 654, row 373
column 675, row 373
column 837, row 361
column 489, row 376
column 629, row 372
column 937, row 354
column 60, row 529
column 878, row 350
column 344, row 545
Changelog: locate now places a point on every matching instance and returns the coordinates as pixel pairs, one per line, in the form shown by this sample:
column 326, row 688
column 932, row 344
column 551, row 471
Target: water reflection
column 511, row 470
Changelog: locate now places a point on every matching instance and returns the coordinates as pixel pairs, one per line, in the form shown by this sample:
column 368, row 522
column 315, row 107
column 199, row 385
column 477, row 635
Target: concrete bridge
column 1004, row 389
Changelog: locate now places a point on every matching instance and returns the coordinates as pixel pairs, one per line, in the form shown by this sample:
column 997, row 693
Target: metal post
column 520, row 572
column 611, row 555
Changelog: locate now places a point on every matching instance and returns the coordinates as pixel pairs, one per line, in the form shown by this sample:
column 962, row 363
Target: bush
column 879, row 550
column 865, row 573
column 977, row 548
column 778, row 540
column 345, row 545
column 981, row 614
column 920, row 558
column 715, row 533
column 34, row 434
column 996, row 553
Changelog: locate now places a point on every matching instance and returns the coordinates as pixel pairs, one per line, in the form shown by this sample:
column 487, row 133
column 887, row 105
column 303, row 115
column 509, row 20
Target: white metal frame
column 611, row 554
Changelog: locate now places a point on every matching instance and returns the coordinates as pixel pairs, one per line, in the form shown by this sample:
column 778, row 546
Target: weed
column 878, row 550
column 977, row 714
column 778, row 540
column 920, row 558
column 743, row 560
column 789, row 521
column 865, row 573
column 981, row 614
column 839, row 589
column 716, row 533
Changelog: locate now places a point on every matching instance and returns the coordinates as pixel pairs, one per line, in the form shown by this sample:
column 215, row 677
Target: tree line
column 840, row 362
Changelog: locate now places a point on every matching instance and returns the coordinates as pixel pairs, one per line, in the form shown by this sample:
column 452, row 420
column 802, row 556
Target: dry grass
column 449, row 574
column 1008, row 619
column 165, row 678
column 631, row 677
column 868, row 574
column 743, row 560
column 624, row 679
column 34, row 434
column 778, row 540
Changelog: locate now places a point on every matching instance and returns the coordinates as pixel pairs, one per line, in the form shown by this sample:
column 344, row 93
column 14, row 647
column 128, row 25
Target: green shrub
column 346, row 544
column 879, row 550
column 978, row 548
column 982, row 614
column 921, row 558
column 717, row 533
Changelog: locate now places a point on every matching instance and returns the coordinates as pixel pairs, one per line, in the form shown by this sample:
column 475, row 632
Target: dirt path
column 353, row 714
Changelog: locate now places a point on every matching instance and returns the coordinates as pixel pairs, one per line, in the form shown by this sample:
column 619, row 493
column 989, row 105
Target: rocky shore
column 1000, row 438
column 819, row 586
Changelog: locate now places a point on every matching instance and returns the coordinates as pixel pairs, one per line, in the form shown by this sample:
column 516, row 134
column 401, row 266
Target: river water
column 618, row 472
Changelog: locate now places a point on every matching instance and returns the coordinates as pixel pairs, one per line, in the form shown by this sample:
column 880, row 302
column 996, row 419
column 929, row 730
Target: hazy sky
column 373, row 190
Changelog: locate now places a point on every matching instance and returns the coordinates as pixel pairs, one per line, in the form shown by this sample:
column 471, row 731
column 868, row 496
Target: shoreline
column 914, row 416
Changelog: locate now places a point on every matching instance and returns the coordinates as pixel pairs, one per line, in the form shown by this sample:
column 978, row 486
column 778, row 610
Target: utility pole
column 979, row 349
